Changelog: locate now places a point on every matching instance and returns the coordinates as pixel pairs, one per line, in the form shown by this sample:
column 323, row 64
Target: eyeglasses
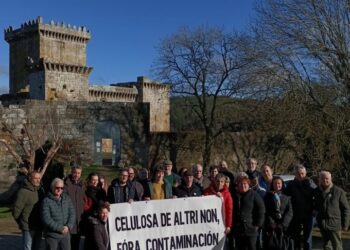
column 60, row 188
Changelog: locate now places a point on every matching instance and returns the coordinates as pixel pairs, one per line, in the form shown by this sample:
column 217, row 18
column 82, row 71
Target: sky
column 124, row 33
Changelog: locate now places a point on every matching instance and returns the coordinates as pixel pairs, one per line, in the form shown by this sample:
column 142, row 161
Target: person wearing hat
column 187, row 188
column 171, row 177
column 254, row 184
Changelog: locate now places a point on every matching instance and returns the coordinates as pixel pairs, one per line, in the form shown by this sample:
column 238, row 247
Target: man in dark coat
column 301, row 191
column 251, row 164
column 139, row 189
column 26, row 211
column 121, row 190
column 188, row 188
column 333, row 211
column 75, row 189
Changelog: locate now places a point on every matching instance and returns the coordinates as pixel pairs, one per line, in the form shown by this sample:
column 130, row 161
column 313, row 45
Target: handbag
column 279, row 241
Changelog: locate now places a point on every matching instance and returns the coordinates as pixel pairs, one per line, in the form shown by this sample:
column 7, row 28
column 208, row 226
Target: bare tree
column 308, row 40
column 24, row 138
column 305, row 46
column 203, row 65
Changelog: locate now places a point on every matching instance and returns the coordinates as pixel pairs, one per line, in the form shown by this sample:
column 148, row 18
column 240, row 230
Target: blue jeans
column 31, row 240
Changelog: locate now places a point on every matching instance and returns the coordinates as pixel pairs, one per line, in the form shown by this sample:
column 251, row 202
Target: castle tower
column 157, row 95
column 48, row 61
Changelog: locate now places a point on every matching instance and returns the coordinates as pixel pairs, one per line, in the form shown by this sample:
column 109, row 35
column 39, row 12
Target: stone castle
column 48, row 62
column 48, row 69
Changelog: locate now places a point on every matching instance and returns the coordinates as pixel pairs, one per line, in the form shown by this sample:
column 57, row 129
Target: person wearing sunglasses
column 58, row 217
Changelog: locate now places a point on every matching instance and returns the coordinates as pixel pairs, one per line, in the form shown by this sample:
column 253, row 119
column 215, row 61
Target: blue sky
column 124, row 34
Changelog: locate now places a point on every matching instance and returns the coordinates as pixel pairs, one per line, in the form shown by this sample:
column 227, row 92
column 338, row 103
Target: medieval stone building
column 48, row 71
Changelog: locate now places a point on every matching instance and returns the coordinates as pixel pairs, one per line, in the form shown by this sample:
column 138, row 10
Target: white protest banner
column 182, row 223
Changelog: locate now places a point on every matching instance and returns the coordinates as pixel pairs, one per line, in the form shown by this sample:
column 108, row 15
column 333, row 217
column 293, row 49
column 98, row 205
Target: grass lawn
column 5, row 212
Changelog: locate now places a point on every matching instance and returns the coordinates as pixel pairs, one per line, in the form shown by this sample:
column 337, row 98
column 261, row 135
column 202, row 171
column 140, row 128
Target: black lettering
column 147, row 242
column 179, row 242
column 178, row 219
column 137, row 245
column 117, row 227
column 165, row 219
column 209, row 216
column 191, row 217
column 155, row 220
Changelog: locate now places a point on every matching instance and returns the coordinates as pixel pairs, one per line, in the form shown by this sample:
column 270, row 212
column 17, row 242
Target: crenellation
column 52, row 66
column 54, row 30
column 58, row 71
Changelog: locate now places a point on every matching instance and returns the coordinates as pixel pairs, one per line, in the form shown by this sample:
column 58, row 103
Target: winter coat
column 76, row 193
column 57, row 213
column 333, row 208
column 248, row 213
column 183, row 191
column 114, row 194
column 26, row 209
column 227, row 202
column 173, row 179
column 92, row 198
column 302, row 196
column 277, row 215
column 168, row 190
column 139, row 190
column 97, row 237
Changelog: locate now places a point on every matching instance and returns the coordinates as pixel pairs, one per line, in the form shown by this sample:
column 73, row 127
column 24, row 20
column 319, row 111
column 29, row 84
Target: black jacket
column 115, row 195
column 277, row 216
column 183, row 191
column 248, row 213
column 302, row 196
column 97, row 236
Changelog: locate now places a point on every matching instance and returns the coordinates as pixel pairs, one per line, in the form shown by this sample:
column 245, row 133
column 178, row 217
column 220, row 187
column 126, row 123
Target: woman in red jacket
column 219, row 188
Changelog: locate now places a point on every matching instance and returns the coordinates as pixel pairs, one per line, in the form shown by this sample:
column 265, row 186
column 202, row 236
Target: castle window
column 64, row 86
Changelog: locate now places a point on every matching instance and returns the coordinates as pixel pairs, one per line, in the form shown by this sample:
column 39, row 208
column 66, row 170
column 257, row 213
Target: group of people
column 258, row 207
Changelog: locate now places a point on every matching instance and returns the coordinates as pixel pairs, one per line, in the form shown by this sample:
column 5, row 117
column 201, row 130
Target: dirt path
column 10, row 235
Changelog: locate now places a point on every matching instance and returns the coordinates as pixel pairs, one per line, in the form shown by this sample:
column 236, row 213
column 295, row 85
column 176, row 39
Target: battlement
column 145, row 82
column 52, row 30
column 113, row 94
column 52, row 66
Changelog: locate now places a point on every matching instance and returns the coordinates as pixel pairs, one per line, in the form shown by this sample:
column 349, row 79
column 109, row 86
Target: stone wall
column 37, row 46
column 99, row 93
column 20, row 50
column 157, row 95
column 66, row 85
column 78, row 121
column 57, row 45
